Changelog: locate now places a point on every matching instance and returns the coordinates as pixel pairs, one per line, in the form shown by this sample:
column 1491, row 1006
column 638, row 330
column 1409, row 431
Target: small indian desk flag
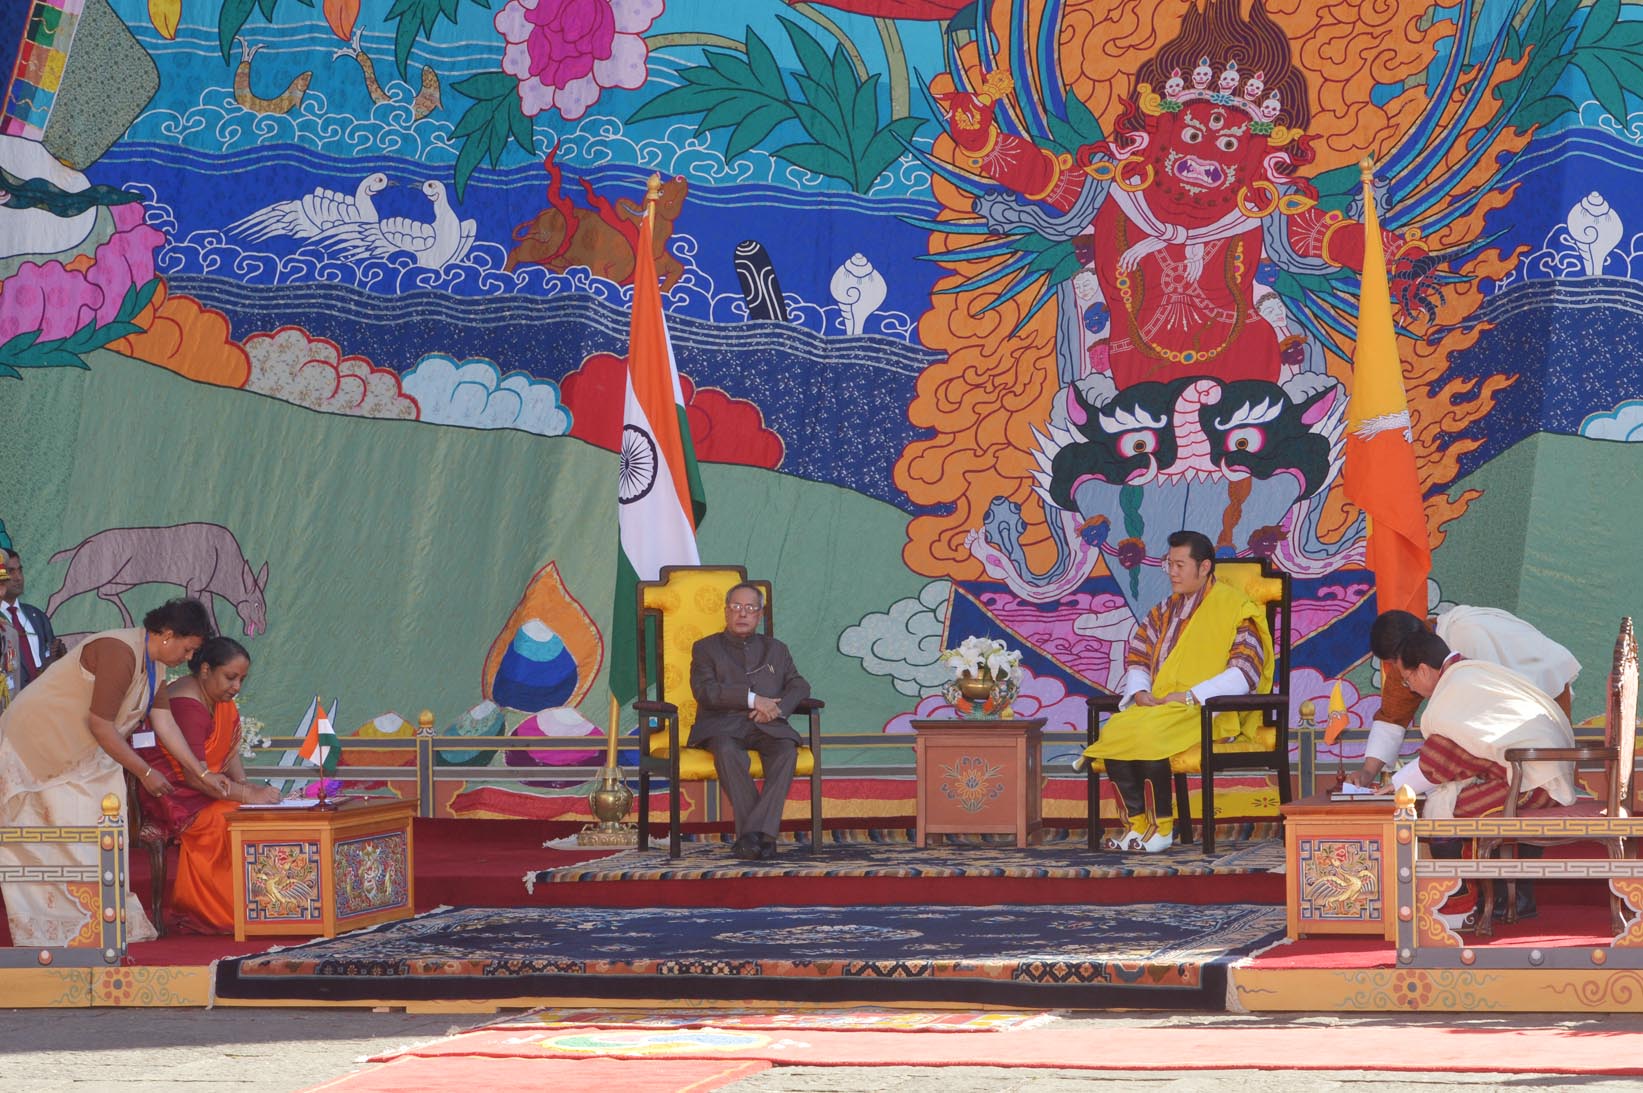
column 319, row 737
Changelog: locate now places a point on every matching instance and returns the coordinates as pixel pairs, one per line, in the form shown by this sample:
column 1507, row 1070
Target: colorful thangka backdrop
column 319, row 308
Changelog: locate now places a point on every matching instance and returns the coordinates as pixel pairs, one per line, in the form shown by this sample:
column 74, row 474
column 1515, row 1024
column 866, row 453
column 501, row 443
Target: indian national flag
column 1380, row 475
column 319, row 737
column 659, row 491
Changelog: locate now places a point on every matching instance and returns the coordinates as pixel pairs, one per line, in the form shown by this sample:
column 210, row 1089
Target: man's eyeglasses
column 744, row 608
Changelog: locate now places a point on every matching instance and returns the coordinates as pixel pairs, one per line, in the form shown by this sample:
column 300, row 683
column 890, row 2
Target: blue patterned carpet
column 1157, row 956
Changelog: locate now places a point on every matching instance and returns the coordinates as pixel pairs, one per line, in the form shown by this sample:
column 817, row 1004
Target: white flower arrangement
column 986, row 661
column 251, row 736
column 984, row 658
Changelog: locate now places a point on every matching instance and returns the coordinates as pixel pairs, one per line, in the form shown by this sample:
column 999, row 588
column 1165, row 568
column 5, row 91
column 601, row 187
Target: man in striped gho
column 1208, row 639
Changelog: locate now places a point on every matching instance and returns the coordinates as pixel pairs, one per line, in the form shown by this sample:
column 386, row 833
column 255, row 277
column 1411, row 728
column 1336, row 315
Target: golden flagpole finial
column 653, row 194
column 1366, row 169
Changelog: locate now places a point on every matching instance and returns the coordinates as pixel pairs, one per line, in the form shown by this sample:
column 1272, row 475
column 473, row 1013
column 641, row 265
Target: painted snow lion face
column 1228, row 459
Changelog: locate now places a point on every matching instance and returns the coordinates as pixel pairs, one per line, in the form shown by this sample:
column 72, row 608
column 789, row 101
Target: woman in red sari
column 202, row 703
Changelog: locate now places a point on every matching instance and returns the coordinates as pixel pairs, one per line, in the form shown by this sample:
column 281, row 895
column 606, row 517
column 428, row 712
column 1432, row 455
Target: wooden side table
column 321, row 871
column 1340, row 867
column 980, row 777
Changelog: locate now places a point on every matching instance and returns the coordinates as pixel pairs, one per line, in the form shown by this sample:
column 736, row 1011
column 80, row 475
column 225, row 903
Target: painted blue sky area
column 837, row 403
column 1555, row 174
column 196, row 107
column 1578, row 335
column 807, row 240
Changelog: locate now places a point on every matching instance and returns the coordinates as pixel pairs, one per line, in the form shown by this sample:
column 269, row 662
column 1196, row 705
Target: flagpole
column 611, row 799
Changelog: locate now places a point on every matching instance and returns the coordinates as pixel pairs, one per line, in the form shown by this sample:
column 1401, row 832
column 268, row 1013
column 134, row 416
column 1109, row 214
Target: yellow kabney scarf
column 1158, row 732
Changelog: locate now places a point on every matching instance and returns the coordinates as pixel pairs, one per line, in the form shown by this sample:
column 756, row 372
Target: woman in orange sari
column 202, row 703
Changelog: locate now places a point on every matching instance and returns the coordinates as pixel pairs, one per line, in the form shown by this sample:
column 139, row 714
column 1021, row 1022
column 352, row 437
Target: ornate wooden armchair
column 148, row 835
column 1617, row 757
column 675, row 611
column 1269, row 751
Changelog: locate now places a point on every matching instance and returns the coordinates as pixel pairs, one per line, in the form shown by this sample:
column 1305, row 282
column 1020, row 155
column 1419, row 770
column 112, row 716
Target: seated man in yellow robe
column 1207, row 640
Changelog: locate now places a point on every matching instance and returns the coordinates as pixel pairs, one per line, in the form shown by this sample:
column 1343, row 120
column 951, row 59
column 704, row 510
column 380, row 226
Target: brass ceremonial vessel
column 609, row 803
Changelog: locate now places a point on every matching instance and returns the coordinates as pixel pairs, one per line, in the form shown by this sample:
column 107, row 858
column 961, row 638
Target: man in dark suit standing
column 746, row 687
column 28, row 631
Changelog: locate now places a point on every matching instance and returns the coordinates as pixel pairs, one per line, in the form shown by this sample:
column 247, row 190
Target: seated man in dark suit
column 27, row 630
column 746, row 687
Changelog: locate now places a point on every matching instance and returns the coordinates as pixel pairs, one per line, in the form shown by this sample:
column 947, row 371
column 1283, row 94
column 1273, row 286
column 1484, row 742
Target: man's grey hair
column 753, row 588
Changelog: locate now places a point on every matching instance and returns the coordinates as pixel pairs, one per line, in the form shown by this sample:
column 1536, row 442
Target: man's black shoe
column 1526, row 907
column 745, row 848
column 767, row 847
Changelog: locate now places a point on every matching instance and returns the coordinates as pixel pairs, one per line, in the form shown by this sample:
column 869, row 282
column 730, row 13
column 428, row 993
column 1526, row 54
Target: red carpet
column 854, row 1019
column 1582, row 925
column 415, row 1075
column 1392, row 1046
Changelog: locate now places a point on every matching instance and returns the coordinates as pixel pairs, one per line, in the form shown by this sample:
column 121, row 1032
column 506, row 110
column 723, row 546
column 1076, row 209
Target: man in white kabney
column 1476, row 633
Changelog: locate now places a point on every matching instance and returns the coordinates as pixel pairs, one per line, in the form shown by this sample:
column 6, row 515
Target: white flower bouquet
column 251, row 735
column 986, row 677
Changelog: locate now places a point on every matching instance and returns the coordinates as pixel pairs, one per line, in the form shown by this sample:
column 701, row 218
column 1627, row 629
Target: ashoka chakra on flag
column 637, row 465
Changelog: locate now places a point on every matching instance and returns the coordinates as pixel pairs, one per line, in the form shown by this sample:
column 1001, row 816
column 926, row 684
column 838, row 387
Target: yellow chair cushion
column 692, row 604
column 1191, row 761
column 696, row 764
column 1247, row 576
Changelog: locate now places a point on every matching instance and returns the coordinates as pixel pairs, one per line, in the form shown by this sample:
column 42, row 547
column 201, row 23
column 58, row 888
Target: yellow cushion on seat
column 696, row 764
column 693, row 603
column 1191, row 761
column 1247, row 576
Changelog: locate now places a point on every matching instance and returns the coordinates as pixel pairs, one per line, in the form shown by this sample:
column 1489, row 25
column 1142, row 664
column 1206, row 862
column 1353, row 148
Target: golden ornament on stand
column 611, row 798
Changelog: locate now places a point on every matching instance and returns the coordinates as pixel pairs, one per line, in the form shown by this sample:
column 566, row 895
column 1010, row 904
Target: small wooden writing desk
column 1340, row 872
column 980, row 777
column 321, row 871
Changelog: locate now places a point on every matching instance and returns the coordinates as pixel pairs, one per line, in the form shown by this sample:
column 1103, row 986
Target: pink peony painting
column 57, row 299
column 565, row 52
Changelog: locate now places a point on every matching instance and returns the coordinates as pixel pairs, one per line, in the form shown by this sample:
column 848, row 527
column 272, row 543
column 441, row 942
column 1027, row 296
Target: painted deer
column 203, row 559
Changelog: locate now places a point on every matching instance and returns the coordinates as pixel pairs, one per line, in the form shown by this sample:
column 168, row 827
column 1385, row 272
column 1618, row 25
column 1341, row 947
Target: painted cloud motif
column 1624, row 422
column 475, row 393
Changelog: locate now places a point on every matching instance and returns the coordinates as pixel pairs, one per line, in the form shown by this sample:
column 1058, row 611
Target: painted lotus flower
column 57, row 299
column 565, row 52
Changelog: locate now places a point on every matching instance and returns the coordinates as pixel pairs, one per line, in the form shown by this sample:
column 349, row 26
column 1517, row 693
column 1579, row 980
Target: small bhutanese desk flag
column 1380, row 475
column 659, row 490
column 319, row 737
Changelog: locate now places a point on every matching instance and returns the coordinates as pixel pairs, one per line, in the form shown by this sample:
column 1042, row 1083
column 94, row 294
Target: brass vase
column 977, row 689
column 609, row 803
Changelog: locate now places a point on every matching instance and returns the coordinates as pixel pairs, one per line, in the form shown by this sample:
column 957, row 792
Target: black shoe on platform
column 745, row 848
column 1526, row 907
column 767, row 847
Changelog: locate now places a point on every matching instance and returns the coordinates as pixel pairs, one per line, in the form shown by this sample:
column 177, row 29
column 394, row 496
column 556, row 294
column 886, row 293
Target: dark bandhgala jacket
column 723, row 669
column 42, row 629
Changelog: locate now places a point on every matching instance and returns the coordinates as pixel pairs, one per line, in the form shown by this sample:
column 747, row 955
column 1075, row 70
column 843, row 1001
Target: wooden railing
column 857, row 755
column 887, row 756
